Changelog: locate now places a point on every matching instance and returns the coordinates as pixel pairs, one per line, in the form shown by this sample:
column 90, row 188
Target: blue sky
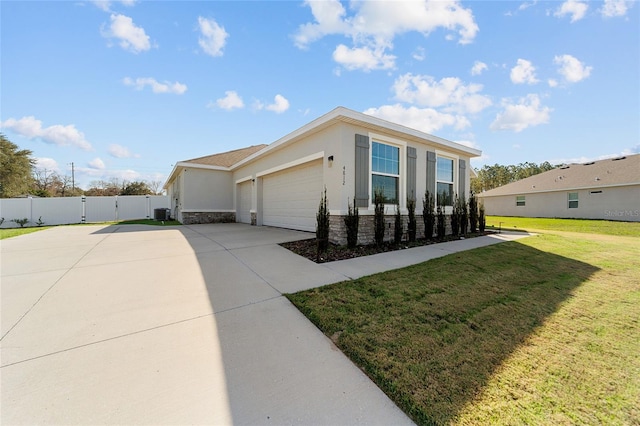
column 126, row 89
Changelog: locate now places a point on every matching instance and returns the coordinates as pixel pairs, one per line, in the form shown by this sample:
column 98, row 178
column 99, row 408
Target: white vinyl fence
column 67, row 210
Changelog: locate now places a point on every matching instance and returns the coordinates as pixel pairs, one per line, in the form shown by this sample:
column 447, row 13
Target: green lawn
column 606, row 227
column 541, row 331
column 14, row 232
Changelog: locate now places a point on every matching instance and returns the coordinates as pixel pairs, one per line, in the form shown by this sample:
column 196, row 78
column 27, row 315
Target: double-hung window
column 573, row 200
column 444, row 175
column 520, row 201
column 385, row 171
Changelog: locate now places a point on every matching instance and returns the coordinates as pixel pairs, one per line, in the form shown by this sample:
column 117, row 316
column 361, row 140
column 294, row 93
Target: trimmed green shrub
column 378, row 217
column 482, row 221
column 428, row 214
column 440, row 217
column 322, row 225
column 455, row 216
column 351, row 221
column 21, row 222
column 412, row 226
column 397, row 226
column 464, row 215
column 473, row 212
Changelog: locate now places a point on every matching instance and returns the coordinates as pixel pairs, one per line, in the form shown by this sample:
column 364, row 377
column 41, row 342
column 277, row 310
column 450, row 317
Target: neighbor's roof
column 595, row 174
column 226, row 159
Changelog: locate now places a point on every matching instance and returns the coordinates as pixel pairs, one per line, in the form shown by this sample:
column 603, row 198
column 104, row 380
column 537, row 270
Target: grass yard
column 540, row 331
column 605, row 227
column 14, row 232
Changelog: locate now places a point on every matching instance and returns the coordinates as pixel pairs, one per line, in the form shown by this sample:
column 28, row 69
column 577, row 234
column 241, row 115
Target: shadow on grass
column 432, row 335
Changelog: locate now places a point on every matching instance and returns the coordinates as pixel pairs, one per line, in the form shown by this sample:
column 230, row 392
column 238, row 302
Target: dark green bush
column 482, row 221
column 473, row 212
column 464, row 215
column 378, row 217
column 412, row 225
column 351, row 221
column 440, row 217
column 428, row 214
column 322, row 225
column 455, row 216
column 397, row 226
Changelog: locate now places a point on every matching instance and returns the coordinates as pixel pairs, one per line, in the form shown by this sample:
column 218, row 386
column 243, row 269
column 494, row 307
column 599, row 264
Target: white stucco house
column 347, row 152
column 606, row 189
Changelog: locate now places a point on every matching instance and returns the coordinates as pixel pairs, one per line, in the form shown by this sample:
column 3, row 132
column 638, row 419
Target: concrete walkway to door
column 132, row 324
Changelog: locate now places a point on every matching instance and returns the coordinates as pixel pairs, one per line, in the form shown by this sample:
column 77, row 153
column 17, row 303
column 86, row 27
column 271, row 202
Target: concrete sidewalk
column 133, row 324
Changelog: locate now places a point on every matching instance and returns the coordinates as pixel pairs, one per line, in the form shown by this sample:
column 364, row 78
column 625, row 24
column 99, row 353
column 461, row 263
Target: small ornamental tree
column 351, row 221
column 378, row 217
column 455, row 216
column 412, row 225
column 473, row 213
column 464, row 215
column 322, row 225
column 428, row 214
column 482, row 221
column 440, row 217
column 397, row 226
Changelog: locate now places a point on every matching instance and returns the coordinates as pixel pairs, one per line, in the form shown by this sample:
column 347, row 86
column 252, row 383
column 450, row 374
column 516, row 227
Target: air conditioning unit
column 161, row 214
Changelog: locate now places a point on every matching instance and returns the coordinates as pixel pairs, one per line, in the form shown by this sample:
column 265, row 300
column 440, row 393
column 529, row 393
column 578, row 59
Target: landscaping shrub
column 473, row 212
column 378, row 217
column 464, row 215
column 440, row 218
column 397, row 226
column 412, row 225
column 322, row 225
column 21, row 222
column 482, row 220
column 428, row 214
column 455, row 216
column 351, row 221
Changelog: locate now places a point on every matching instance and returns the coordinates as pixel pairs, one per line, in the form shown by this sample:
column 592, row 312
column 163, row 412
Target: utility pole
column 73, row 179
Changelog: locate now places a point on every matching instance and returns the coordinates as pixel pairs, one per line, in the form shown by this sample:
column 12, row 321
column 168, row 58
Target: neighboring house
column 347, row 152
column 605, row 189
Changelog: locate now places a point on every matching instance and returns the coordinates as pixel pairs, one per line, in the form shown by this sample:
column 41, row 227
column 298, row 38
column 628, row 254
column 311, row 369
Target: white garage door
column 290, row 198
column 244, row 202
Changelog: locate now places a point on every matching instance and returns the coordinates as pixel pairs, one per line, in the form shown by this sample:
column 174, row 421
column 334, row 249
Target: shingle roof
column 226, row 159
column 616, row 171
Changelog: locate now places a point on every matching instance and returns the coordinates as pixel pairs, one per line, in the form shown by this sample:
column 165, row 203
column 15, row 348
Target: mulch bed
column 308, row 248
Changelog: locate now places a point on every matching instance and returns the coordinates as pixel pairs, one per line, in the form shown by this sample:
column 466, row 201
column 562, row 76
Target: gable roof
column 226, row 159
column 595, row 174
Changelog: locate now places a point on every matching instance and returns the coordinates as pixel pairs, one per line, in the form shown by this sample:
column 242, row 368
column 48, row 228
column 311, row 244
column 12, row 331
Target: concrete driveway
column 131, row 324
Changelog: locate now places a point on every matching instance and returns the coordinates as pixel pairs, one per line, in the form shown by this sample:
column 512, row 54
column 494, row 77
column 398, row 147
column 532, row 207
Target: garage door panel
column 291, row 197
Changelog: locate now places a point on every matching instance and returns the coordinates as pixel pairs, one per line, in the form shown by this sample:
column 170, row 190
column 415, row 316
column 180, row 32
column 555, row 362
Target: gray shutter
column 411, row 173
column 362, row 171
column 431, row 173
column 462, row 177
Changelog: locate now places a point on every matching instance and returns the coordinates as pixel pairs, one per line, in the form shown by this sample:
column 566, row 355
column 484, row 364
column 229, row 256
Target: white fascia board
column 207, row 211
column 576, row 188
column 290, row 164
column 341, row 113
column 244, row 179
column 184, row 164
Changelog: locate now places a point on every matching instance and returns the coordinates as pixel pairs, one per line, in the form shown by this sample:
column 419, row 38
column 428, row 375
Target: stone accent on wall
column 338, row 230
column 190, row 218
column 254, row 218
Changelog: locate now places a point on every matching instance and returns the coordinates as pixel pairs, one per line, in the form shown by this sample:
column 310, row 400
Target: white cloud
column 363, row 58
column 132, row 38
column 280, row 104
column 57, row 134
column 373, row 25
column 97, row 164
column 231, row 101
column 213, row 37
column 427, row 120
column 119, row 151
column 419, row 54
column 157, row 87
column 577, row 10
column 523, row 72
column 526, row 113
column 613, row 8
column 449, row 93
column 553, row 82
column 106, row 4
column 478, row 67
column 571, row 68
column 47, row 164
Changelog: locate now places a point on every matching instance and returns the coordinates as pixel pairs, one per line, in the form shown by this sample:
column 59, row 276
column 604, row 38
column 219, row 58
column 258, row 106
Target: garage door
column 244, row 202
column 290, row 198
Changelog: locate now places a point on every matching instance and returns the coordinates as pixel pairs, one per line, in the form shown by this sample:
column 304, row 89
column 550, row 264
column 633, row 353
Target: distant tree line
column 490, row 177
column 20, row 177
